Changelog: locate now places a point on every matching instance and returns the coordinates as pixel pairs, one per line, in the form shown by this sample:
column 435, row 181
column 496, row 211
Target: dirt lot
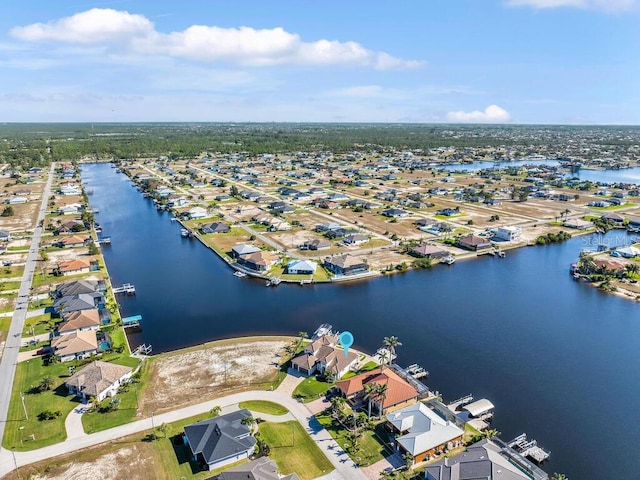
column 195, row 375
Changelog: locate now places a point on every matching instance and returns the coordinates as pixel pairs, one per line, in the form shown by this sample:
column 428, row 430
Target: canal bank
column 548, row 352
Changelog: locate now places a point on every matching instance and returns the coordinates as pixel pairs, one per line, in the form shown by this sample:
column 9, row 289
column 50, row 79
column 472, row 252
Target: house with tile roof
column 79, row 321
column 322, row 355
column 422, row 433
column 399, row 393
column 262, row 468
column 221, row 440
column 75, row 345
column 99, row 380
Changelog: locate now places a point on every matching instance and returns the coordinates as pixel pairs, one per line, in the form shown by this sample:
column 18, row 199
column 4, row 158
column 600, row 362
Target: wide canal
column 558, row 358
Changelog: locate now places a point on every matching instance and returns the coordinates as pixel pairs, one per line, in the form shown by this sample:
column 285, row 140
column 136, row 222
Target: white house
column 16, row 200
column 71, row 209
column 508, row 233
column 99, row 380
column 197, row 212
column 302, row 267
column 70, row 189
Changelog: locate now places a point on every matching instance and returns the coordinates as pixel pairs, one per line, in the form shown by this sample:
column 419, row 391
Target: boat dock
column 127, row 288
column 143, row 349
column 423, row 390
column 104, row 241
column 416, row 371
column 529, row 448
column 132, row 322
column 460, row 402
column 273, row 282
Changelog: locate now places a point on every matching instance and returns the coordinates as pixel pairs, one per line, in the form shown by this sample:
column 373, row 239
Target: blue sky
column 492, row 61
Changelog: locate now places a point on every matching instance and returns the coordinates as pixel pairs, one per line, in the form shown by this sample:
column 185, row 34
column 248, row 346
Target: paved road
column 345, row 469
column 14, row 338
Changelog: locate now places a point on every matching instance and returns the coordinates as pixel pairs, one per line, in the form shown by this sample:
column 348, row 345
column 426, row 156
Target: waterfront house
column 301, row 267
column 221, row 440
column 240, row 250
column 259, row 261
column 99, row 380
column 612, row 217
column 399, row 393
column 345, row 265
column 262, row 468
column 577, row 223
column 483, row 460
column 71, row 209
column 80, row 286
column 422, row 433
column 79, row 321
column 75, row 303
column 609, row 266
column 69, row 189
column 73, row 241
column 473, row 243
column 215, row 227
column 322, row 355
column 72, row 267
column 197, row 213
column 508, row 234
column 71, row 226
column 429, row 251
column 75, row 346
column 318, row 244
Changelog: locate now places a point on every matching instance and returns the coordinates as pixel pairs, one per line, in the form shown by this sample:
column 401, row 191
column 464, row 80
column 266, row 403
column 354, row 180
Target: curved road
column 14, row 337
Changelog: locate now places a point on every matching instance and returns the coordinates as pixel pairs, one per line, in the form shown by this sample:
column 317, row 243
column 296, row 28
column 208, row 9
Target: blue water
column 558, row 358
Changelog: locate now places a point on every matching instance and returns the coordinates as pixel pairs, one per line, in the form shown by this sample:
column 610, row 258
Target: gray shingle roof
column 220, row 437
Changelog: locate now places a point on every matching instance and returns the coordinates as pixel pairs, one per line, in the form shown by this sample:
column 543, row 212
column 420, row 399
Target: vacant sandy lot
column 206, row 372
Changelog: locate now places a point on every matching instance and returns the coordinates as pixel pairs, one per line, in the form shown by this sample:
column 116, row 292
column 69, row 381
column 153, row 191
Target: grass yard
column 311, row 389
column 293, row 450
column 39, row 323
column 369, row 449
column 264, row 406
column 96, row 421
column 12, row 272
column 367, row 367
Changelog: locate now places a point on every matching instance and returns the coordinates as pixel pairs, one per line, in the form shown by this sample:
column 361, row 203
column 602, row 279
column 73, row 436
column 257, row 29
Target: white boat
column 449, row 260
column 239, row 274
column 273, row 282
column 324, row 329
column 184, row 232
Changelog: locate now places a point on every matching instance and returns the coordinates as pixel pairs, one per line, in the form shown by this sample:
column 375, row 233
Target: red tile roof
column 398, row 390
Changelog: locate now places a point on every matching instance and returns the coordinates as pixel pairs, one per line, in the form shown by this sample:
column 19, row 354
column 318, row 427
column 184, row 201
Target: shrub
column 49, row 415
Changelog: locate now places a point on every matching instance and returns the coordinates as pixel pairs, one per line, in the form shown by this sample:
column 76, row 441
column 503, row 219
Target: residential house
column 80, row 286
column 327, row 227
column 81, row 301
column 422, row 433
column 79, row 321
column 429, row 251
column 5, row 236
column 73, row 241
column 483, row 460
column 259, row 261
column 73, row 267
column 614, row 218
column 16, row 200
column 301, row 267
column 316, row 245
column 262, row 468
column 221, row 440
column 356, row 239
column 345, row 265
column 75, row 345
column 395, row 213
column 577, row 223
column 448, row 212
column 215, row 227
column 473, row 242
column 99, row 380
column 71, row 209
column 71, row 226
column 632, row 226
column 241, row 250
column 197, row 213
column 399, row 392
column 69, row 189
column 508, row 234
column 281, row 207
column 278, row 225
column 322, row 355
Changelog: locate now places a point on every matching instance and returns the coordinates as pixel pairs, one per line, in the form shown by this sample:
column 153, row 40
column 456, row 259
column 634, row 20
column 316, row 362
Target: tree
column 491, row 433
column 370, row 394
column 46, row 383
column 381, row 395
column 7, row 212
column 215, row 411
column 408, row 460
column 249, row 421
column 391, row 343
column 163, row 429
column 93, row 249
column 559, row 476
column 385, row 357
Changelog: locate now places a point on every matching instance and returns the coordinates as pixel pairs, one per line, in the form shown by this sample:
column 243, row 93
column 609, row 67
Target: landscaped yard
column 311, row 389
column 264, row 406
column 369, row 448
column 294, row 450
column 40, row 324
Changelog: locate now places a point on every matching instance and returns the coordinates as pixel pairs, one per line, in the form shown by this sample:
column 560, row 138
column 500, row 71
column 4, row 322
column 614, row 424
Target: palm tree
column 392, row 343
column 559, row 476
column 370, row 394
column 46, row 383
column 385, row 357
column 301, row 338
column 215, row 411
column 491, row 433
column 249, row 421
column 381, row 395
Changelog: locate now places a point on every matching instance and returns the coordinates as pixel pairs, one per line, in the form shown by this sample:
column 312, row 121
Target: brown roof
column 80, row 319
column 474, row 240
column 77, row 342
column 73, row 265
column 97, row 377
column 426, row 249
column 609, row 264
column 72, row 240
column 344, row 261
column 398, row 390
column 261, row 258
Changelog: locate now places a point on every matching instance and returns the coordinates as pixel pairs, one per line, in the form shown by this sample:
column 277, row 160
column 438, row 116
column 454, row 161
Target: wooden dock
column 416, row 371
column 127, row 288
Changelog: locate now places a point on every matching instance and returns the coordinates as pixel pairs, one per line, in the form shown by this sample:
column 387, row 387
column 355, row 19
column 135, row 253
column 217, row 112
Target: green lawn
column 369, row 449
column 293, row 450
column 10, row 285
column 264, row 406
column 367, row 367
column 11, row 272
column 311, row 389
column 613, row 207
column 96, row 421
column 40, row 324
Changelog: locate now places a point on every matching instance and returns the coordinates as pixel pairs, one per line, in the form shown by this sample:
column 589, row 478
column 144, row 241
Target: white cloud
column 491, row 114
column 135, row 34
column 606, row 5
